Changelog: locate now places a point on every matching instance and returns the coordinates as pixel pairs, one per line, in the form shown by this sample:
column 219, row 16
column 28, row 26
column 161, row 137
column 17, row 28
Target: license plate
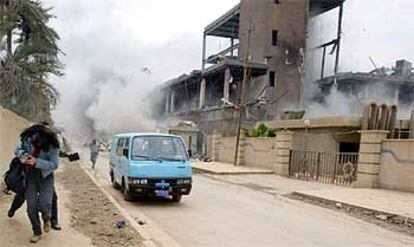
column 162, row 185
column 162, row 193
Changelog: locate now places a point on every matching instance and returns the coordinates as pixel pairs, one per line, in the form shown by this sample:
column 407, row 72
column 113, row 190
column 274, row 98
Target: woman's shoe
column 10, row 214
column 47, row 226
column 35, row 238
column 56, row 227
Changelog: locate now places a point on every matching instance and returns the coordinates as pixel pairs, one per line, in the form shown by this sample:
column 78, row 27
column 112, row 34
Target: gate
column 334, row 168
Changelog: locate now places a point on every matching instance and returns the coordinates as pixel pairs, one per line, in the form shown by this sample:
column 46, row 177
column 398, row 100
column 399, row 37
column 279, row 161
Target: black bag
column 73, row 157
column 16, row 177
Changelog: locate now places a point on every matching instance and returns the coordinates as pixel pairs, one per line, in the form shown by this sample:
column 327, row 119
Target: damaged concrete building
column 268, row 38
column 395, row 84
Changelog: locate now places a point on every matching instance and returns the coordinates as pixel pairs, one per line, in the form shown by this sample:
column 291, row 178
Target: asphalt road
column 222, row 213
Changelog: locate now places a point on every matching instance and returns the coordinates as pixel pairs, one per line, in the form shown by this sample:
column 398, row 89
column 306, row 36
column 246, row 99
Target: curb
column 147, row 238
column 201, row 170
column 311, row 197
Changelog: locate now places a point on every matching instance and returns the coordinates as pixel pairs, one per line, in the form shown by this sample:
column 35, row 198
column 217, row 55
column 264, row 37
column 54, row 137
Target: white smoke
column 117, row 52
column 119, row 105
column 362, row 38
column 336, row 104
column 339, row 104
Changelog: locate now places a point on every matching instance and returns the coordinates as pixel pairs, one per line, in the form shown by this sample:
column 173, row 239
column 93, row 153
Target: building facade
column 261, row 70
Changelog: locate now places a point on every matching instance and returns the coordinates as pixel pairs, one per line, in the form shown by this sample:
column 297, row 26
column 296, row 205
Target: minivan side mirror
column 125, row 152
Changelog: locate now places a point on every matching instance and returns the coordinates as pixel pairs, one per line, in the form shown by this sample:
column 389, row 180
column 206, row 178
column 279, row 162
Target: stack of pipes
column 379, row 117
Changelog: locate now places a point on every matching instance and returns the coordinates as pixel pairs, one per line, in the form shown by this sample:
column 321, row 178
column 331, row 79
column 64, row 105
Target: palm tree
column 25, row 68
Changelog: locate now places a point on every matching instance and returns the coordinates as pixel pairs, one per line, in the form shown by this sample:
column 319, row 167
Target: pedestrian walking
column 94, row 150
column 39, row 151
column 19, row 200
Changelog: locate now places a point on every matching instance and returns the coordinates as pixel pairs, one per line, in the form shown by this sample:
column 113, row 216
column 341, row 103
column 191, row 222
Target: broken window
column 275, row 34
column 272, row 78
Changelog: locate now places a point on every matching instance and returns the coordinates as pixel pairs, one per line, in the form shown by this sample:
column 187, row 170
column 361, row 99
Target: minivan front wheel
column 114, row 183
column 127, row 194
column 176, row 198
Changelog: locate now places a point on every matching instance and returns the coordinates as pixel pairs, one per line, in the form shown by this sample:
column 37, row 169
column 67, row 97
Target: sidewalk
column 220, row 168
column 17, row 231
column 383, row 201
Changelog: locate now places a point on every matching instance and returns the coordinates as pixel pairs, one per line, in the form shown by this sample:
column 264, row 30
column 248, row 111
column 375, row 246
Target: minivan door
column 118, row 160
column 125, row 157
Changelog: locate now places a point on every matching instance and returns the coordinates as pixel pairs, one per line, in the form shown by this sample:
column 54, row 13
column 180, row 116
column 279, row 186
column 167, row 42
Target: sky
column 117, row 51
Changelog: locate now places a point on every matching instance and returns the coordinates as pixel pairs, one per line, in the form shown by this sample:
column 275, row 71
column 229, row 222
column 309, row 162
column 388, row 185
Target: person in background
column 94, row 149
column 19, row 200
column 39, row 151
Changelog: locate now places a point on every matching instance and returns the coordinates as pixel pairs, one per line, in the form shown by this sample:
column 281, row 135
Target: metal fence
column 334, row 168
column 401, row 134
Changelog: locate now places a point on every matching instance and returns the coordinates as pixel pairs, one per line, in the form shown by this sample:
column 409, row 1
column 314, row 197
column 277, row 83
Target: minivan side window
column 126, row 148
column 120, row 147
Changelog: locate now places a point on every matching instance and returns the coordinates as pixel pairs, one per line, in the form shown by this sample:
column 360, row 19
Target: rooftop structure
column 396, row 84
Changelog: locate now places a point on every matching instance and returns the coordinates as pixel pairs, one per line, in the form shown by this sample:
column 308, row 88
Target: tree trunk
column 9, row 44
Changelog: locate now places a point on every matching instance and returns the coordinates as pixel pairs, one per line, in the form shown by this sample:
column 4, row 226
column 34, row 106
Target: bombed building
column 261, row 71
column 394, row 84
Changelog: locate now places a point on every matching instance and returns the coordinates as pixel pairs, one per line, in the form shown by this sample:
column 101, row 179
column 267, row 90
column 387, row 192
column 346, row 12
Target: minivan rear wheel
column 127, row 194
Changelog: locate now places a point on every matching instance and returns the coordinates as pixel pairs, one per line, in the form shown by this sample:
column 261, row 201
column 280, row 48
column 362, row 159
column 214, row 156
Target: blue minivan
column 146, row 164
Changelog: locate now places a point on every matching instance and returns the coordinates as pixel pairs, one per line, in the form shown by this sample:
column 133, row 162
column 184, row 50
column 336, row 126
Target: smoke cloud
column 119, row 51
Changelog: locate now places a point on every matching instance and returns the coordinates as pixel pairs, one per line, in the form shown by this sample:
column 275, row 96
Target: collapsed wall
column 11, row 125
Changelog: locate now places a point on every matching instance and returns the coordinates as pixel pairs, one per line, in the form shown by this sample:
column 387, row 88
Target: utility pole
column 245, row 75
column 338, row 40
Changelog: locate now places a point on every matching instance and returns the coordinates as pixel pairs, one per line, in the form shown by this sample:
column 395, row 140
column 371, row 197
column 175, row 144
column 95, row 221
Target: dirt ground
column 92, row 213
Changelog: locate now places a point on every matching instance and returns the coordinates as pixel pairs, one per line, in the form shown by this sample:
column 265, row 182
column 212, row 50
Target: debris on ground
column 382, row 217
column 92, row 213
column 140, row 222
column 121, row 224
column 392, row 222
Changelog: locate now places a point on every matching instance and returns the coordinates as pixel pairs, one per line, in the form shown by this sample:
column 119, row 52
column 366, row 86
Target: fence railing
column 334, row 168
column 401, row 134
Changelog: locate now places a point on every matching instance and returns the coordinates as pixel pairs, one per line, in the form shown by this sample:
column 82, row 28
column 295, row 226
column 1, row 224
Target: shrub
column 260, row 131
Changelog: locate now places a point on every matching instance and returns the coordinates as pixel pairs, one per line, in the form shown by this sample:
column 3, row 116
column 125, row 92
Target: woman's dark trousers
column 39, row 194
column 19, row 200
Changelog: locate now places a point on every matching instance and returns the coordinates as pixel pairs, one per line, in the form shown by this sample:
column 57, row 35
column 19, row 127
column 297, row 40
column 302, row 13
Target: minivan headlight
column 136, row 181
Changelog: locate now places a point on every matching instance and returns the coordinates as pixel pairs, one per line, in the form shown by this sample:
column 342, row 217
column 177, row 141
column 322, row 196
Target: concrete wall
column 11, row 125
column 397, row 165
column 260, row 152
column 223, row 121
column 322, row 140
column 225, row 149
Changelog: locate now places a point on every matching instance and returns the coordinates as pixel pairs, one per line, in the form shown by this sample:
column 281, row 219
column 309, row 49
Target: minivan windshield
column 162, row 148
